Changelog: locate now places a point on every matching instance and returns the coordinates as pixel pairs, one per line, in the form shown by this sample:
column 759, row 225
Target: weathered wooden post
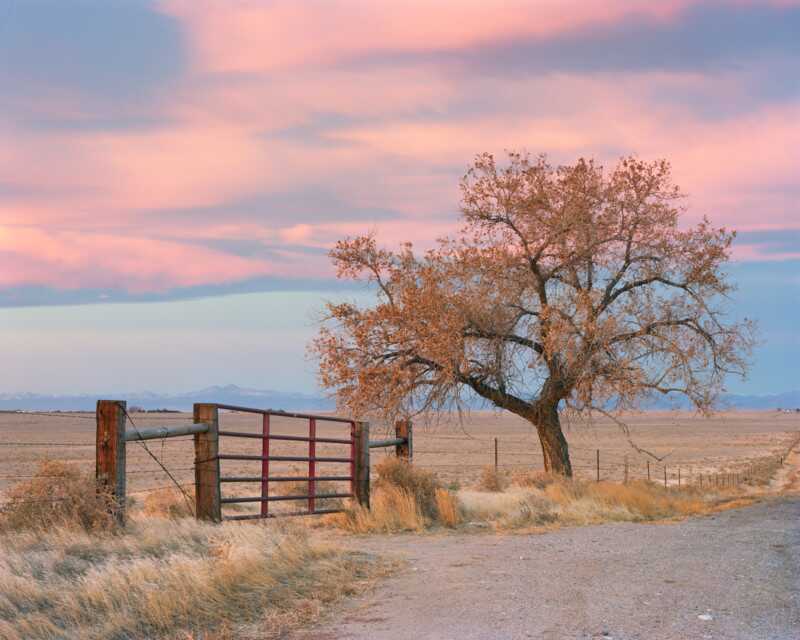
column 206, row 464
column 110, row 454
column 404, row 429
column 361, row 457
column 626, row 469
column 598, row 465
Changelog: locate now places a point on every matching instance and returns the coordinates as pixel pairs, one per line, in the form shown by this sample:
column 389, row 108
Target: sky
column 173, row 173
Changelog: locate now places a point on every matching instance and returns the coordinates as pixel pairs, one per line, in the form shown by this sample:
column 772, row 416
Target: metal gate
column 265, row 456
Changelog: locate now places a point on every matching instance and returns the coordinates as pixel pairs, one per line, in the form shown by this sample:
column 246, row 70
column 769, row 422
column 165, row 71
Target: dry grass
column 59, row 495
column 532, row 478
column 550, row 500
column 491, row 479
column 300, row 488
column 448, row 508
column 404, row 498
column 169, row 503
column 67, row 573
column 167, row 578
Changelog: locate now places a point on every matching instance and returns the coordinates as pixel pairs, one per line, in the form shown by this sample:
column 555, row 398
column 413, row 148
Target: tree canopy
column 567, row 288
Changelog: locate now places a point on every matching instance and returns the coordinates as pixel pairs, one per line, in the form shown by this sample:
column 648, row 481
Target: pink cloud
column 246, row 37
column 261, row 111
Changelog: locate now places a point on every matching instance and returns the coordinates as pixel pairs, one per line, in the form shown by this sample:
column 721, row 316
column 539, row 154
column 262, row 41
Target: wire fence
column 456, row 456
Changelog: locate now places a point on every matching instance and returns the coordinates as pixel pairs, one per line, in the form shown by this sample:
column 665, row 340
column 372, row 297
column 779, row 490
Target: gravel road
column 734, row 575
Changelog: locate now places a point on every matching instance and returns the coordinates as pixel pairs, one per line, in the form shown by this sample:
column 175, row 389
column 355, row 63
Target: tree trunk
column 554, row 444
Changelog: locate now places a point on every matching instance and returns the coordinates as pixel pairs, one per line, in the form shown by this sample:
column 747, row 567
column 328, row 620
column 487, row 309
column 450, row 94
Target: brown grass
column 404, row 498
column 550, row 500
column 169, row 503
column 532, row 478
column 168, row 578
column 448, row 508
column 62, row 576
column 59, row 495
column 491, row 479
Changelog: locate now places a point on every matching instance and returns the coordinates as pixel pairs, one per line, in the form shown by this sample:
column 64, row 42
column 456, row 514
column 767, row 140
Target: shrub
column 492, row 480
column 404, row 498
column 421, row 484
column 59, row 495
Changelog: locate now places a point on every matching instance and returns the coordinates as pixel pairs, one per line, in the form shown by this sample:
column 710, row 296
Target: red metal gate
column 265, row 457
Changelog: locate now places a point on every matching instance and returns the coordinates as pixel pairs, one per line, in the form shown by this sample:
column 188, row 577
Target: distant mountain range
column 229, row 394
column 265, row 399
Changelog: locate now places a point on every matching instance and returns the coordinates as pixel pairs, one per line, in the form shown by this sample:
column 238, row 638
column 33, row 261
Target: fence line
column 613, row 463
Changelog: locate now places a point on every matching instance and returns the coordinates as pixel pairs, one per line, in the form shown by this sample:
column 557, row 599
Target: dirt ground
column 733, row 575
column 729, row 576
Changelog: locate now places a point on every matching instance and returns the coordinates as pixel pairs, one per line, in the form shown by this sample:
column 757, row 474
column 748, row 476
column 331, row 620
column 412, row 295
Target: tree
column 568, row 288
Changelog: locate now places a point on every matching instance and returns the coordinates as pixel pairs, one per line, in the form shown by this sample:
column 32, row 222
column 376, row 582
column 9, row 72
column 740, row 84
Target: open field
column 456, row 450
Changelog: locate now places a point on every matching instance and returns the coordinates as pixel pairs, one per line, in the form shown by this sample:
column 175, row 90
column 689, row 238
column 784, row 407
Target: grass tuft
column 492, row 480
column 59, row 495
column 404, row 498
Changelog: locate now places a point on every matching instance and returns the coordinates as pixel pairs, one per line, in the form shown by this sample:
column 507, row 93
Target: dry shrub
column 419, row 483
column 170, row 579
column 391, row 509
column 169, row 503
column 533, row 479
column 59, row 495
column 492, row 480
column 404, row 498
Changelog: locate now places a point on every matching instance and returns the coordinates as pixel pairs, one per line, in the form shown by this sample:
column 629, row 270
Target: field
column 74, row 580
column 457, row 450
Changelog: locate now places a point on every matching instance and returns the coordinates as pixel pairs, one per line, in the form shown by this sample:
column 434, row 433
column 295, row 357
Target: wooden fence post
column 598, row 465
column 404, row 429
column 648, row 471
column 626, row 469
column 206, row 464
column 362, row 463
column 110, row 454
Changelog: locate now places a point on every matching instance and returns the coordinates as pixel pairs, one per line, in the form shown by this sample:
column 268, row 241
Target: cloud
column 251, row 136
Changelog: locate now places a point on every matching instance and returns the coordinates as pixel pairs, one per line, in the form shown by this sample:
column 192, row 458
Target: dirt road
column 734, row 575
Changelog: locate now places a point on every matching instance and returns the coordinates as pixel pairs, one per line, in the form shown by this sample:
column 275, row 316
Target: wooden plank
column 206, row 464
column 110, row 454
column 361, row 474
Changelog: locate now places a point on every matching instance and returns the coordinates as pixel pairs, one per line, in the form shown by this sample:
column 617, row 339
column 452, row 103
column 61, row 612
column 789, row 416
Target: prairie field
column 265, row 580
column 458, row 450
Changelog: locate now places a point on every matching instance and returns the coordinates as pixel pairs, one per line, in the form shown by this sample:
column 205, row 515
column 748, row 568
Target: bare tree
column 567, row 288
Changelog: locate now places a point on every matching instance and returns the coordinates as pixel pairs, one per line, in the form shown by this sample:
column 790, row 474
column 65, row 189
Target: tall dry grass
column 548, row 500
column 59, row 495
column 404, row 498
column 63, row 576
